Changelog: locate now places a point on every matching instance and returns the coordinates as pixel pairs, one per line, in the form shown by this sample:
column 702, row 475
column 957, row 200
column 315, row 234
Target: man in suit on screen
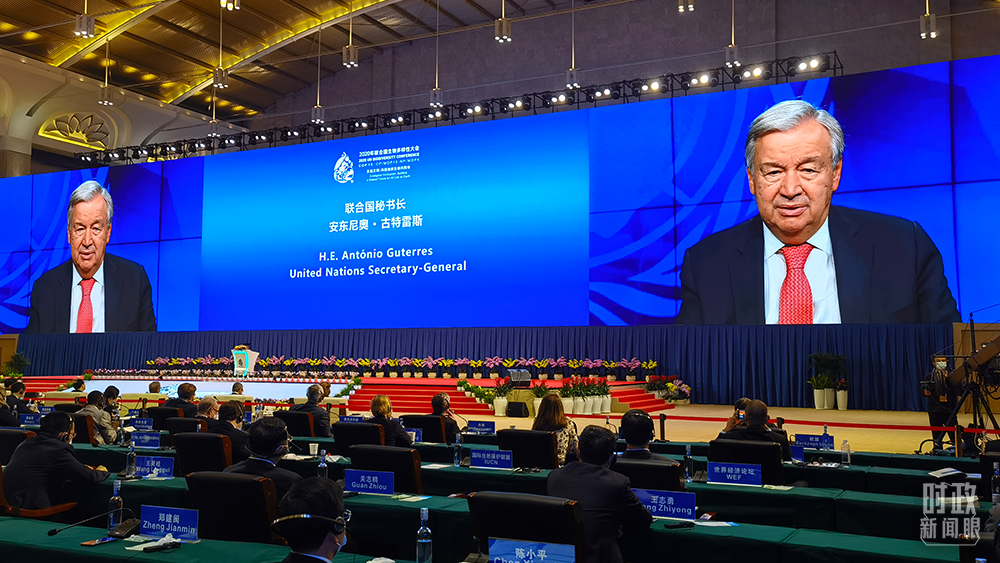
column 801, row 260
column 94, row 291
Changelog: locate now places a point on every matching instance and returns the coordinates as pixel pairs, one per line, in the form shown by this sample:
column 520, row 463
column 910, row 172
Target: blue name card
column 143, row 424
column 134, row 412
column 352, row 418
column 512, row 551
column 482, row 427
column 158, row 521
column 416, row 434
column 491, row 459
column 667, row 503
column 798, row 453
column 815, row 441
column 248, row 417
column 734, row 473
column 31, row 419
column 146, row 439
column 154, row 466
column 46, row 410
column 378, row 482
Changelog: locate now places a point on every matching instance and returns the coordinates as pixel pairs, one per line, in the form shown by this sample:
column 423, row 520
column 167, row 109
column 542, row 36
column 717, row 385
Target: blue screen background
column 563, row 219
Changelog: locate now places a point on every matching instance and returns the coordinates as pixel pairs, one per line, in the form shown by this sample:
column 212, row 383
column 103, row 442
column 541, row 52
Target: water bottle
column 115, row 505
column 130, row 461
column 321, row 469
column 845, row 454
column 688, row 463
column 458, row 450
column 995, row 483
column 424, row 551
column 825, row 440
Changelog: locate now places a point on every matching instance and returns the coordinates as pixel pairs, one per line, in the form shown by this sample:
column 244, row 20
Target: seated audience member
column 738, row 409
column 606, row 497
column 231, row 424
column 551, row 418
column 237, row 388
column 43, row 471
column 16, row 400
column 111, row 398
column 78, row 386
column 268, row 441
column 154, row 386
column 325, row 385
column 441, row 406
column 321, row 418
column 105, row 431
column 208, row 410
column 382, row 415
column 756, row 429
column 8, row 418
column 637, row 431
column 312, row 519
column 184, row 400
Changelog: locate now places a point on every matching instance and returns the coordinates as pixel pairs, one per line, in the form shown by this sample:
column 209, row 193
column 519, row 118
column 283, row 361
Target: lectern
column 244, row 362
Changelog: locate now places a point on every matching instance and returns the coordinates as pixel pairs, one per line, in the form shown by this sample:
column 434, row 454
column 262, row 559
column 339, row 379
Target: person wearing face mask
column 231, row 424
column 43, row 471
column 267, row 443
column 941, row 400
column 313, row 520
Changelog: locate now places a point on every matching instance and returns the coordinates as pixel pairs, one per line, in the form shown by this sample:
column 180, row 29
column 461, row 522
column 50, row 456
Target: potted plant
column 833, row 366
column 842, row 394
column 493, row 364
column 604, row 392
column 476, row 366
column 539, row 390
column 819, row 384
column 647, row 366
column 574, row 368
column 566, row 396
column 500, row 392
column 610, row 370
column 543, row 368
column 558, row 367
column 579, row 402
column 657, row 385
column 406, row 364
column 507, row 363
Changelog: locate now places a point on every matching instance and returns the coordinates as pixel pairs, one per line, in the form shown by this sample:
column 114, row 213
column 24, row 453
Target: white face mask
column 941, row 365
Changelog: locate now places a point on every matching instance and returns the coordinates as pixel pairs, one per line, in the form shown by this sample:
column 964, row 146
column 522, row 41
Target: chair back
column 403, row 462
column 347, row 434
column 526, row 517
column 650, row 474
column 10, row 439
column 67, row 407
column 530, row 448
column 431, row 426
column 252, row 498
column 176, row 425
column 7, row 510
column 765, row 454
column 300, row 424
column 84, row 426
column 161, row 414
column 199, row 451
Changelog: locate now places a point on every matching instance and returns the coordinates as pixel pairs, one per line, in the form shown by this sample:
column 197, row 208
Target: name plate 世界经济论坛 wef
column 158, row 521
column 362, row 481
column 142, row 424
column 491, row 459
column 482, row 427
column 734, row 473
column 154, row 466
column 667, row 503
column 146, row 439
column 815, row 441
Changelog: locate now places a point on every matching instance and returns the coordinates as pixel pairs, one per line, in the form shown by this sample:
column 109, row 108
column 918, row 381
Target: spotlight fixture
column 214, row 131
column 318, row 114
column 928, row 26
column 819, row 63
column 686, row 81
column 437, row 100
column 350, row 56
column 230, row 4
column 105, row 97
column 85, row 26
column 732, row 56
column 571, row 79
column 685, row 5
column 501, row 31
column 323, row 130
column 220, row 78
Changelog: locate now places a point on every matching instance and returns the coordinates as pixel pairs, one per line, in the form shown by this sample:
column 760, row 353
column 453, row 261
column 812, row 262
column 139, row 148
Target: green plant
column 834, row 366
column 540, row 390
column 820, row 381
column 503, row 387
column 15, row 365
column 566, row 391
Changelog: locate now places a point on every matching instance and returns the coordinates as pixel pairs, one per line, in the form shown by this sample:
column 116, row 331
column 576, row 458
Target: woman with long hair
column 551, row 418
column 382, row 415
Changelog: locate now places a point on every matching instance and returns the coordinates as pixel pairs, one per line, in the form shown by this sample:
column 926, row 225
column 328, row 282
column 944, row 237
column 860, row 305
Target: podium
column 244, row 362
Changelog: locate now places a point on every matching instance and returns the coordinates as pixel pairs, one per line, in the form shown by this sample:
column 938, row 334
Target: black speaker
column 517, row 410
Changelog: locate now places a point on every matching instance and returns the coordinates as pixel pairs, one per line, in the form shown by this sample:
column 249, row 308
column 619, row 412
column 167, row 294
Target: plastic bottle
column 845, row 454
column 130, row 461
column 688, row 463
column 458, row 450
column 115, row 504
column 321, row 470
column 424, row 545
column 825, row 442
column 995, row 483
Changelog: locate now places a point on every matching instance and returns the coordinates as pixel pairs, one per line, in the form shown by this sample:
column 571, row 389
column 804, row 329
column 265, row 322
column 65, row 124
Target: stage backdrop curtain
column 721, row 363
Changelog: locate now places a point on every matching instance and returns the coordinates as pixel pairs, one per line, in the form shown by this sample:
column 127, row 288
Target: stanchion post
column 958, row 440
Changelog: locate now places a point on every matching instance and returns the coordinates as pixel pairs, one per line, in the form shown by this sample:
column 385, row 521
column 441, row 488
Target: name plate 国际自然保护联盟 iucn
column 491, row 459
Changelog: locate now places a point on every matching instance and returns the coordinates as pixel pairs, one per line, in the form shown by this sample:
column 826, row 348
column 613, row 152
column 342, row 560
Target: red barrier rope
column 851, row 425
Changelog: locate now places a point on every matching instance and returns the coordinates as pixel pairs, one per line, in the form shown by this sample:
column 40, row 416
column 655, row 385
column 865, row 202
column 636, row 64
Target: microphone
column 452, row 411
column 55, row 531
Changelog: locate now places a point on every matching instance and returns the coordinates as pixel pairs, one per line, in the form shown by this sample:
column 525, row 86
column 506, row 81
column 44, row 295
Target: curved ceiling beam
column 372, row 6
column 72, row 54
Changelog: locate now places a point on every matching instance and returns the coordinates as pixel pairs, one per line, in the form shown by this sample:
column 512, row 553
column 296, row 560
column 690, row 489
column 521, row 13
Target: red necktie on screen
column 796, row 304
column 85, row 318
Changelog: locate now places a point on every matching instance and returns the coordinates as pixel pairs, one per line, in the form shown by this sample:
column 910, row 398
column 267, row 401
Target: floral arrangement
column 241, row 347
column 543, row 363
column 526, row 363
column 476, row 364
column 633, row 364
column 539, row 390
column 503, row 387
column 574, row 365
column 842, row 385
column 493, row 363
column 656, row 383
column 648, row 365
column 509, row 363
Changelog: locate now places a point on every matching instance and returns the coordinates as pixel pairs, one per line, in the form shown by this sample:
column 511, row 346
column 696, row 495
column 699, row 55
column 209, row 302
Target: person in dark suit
column 8, row 418
column 637, row 431
column 321, row 418
column 183, row 400
column 267, row 441
column 756, row 429
column 94, row 291
column 606, row 497
column 312, row 518
column 16, row 400
column 208, row 410
column 801, row 260
column 441, row 406
column 231, row 424
column 43, row 471
column 381, row 408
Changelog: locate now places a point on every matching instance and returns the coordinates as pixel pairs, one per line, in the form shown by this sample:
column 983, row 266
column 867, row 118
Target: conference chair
column 161, row 414
column 300, row 424
column 85, row 431
column 249, row 499
column 765, row 454
column 347, row 434
column 198, row 451
column 403, row 462
column 530, row 448
column 526, row 517
column 649, row 474
column 7, row 510
column 176, row 425
column 432, row 426
column 10, row 439
column 67, row 407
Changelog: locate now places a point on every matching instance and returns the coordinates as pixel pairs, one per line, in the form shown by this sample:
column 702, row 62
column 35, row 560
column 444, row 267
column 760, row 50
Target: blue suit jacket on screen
column 888, row 271
column 128, row 298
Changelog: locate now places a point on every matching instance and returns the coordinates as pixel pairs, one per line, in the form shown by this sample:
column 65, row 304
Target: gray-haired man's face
column 89, row 233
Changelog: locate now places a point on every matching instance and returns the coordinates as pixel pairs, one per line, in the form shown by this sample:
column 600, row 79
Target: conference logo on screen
column 343, row 171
